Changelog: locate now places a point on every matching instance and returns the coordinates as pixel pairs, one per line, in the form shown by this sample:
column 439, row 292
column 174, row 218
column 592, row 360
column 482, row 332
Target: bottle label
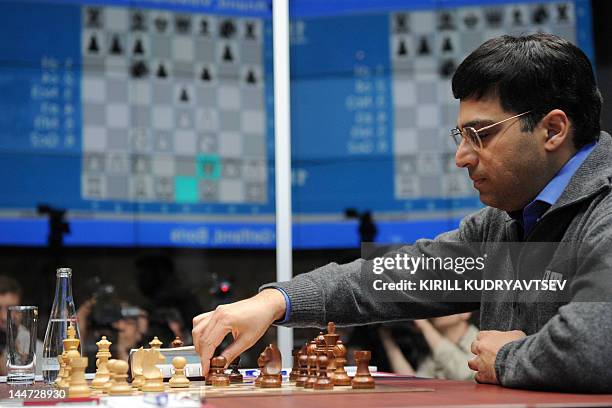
column 50, row 364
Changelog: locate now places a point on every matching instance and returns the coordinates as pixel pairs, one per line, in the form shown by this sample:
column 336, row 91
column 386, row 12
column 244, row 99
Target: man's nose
column 466, row 156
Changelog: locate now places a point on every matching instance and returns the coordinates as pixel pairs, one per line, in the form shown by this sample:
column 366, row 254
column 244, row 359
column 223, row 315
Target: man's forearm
column 575, row 342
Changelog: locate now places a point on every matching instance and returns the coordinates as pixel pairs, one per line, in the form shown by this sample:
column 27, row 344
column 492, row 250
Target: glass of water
column 21, row 344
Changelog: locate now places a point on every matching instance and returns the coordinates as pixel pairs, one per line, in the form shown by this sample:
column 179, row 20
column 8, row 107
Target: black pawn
column 402, row 51
column 138, row 48
column 424, row 47
column 447, row 46
column 227, row 54
column 116, row 46
column 205, row 75
column 184, row 97
column 161, row 71
column 139, row 69
column 251, row 78
column 93, row 45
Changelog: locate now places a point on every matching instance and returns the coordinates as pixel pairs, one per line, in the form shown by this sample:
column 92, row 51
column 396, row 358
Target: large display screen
column 151, row 122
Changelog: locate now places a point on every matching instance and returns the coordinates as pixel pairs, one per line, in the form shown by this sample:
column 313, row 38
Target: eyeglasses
column 473, row 136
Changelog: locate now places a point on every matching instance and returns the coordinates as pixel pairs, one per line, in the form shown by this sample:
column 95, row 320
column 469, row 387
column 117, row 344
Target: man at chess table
column 528, row 134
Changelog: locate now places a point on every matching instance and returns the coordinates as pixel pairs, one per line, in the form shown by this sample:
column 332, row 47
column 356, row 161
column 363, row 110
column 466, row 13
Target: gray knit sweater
column 567, row 347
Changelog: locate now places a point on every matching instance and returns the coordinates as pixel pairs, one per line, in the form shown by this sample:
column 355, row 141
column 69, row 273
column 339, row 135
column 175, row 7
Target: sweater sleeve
column 338, row 293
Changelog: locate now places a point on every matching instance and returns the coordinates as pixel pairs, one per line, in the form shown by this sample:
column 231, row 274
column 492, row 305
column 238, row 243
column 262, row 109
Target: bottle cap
column 63, row 272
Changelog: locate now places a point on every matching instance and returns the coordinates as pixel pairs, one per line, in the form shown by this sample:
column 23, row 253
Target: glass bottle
column 63, row 314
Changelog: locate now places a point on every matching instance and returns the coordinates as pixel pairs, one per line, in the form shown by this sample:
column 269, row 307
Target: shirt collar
column 553, row 190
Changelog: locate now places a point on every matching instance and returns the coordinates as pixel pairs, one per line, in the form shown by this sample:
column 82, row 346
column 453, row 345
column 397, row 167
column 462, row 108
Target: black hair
column 536, row 72
column 9, row 285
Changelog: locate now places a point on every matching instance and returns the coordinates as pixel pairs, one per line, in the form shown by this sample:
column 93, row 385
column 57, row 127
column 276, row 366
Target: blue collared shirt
column 530, row 215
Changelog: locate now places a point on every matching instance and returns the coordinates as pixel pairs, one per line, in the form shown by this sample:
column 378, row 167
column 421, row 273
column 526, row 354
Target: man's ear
column 557, row 127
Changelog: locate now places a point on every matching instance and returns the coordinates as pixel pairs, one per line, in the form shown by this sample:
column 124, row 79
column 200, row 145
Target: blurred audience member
column 449, row 339
column 158, row 281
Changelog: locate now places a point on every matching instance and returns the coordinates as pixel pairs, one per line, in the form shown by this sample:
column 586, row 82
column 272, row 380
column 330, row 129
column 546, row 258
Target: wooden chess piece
column 331, row 338
column 111, row 381
column 323, row 381
column 153, row 378
column 303, row 367
column 78, row 385
column 272, row 368
column 120, row 385
column 260, row 365
column 219, row 378
column 103, row 374
column 311, row 352
column 177, row 342
column 60, row 381
column 71, row 345
column 179, row 379
column 295, row 370
column 362, row 379
column 155, row 343
column 340, row 376
column 136, row 366
column 235, row 376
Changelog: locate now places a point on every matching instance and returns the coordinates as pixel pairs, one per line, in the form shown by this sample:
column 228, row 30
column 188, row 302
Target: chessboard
column 173, row 107
column 426, row 47
column 247, row 388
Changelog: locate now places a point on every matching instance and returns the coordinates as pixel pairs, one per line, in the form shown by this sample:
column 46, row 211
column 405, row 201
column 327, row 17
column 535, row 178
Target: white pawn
column 78, row 385
column 111, row 381
column 120, row 385
column 179, row 379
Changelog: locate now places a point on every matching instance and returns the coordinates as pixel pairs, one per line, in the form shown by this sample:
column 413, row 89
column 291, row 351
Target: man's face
column 6, row 300
column 509, row 170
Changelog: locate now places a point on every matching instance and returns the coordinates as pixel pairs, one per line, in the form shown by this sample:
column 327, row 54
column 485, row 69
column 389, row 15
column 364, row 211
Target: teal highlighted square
column 208, row 167
column 186, row 189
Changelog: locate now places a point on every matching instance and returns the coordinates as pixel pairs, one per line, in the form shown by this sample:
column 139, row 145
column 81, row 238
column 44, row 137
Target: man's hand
column 485, row 347
column 247, row 320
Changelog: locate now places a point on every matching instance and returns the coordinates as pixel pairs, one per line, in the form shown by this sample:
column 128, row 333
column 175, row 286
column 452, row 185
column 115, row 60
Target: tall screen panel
column 146, row 122
column 372, row 108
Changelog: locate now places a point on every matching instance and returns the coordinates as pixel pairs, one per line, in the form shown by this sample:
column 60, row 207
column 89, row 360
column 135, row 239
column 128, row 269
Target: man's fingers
column 475, row 347
column 213, row 335
column 201, row 317
column 238, row 346
column 198, row 329
column 473, row 363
